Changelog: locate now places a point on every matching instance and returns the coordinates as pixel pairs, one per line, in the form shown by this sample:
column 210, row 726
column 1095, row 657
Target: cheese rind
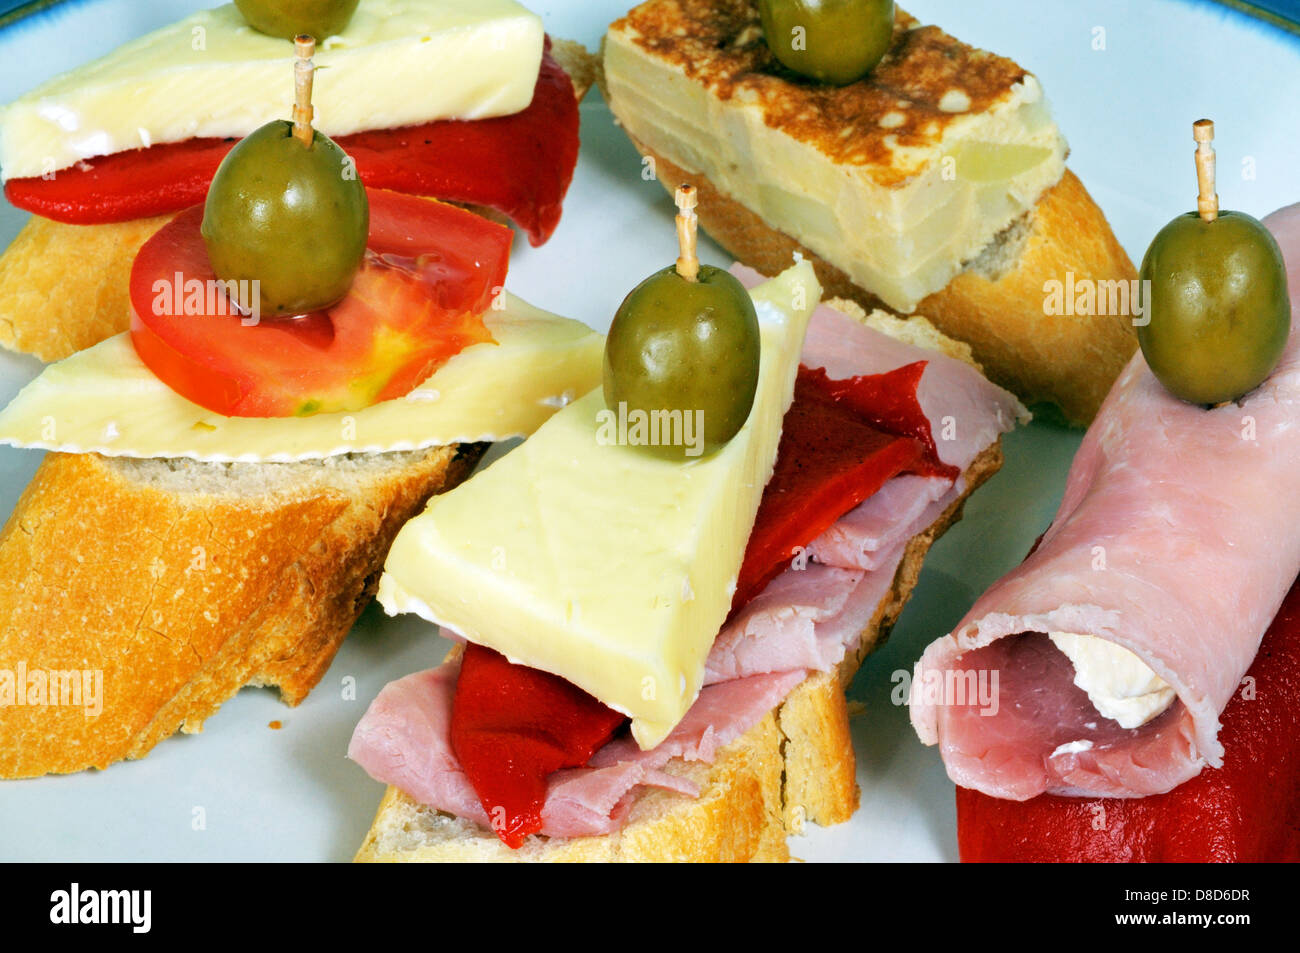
column 105, row 400
column 600, row 562
column 398, row 62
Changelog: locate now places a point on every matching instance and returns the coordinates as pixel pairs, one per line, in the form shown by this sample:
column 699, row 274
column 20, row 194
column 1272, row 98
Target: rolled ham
column 1177, row 538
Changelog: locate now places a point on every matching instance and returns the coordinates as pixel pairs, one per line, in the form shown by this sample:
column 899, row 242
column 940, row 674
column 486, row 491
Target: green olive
column 831, row 41
column 287, row 18
column 292, row 216
column 688, row 346
column 1218, row 309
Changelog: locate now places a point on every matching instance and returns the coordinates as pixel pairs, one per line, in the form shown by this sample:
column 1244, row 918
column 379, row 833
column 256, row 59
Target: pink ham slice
column 865, row 537
column 404, row 739
column 805, row 618
column 1177, row 538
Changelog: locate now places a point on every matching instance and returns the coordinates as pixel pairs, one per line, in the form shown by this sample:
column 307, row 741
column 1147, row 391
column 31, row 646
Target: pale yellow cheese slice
column 105, row 400
column 398, row 62
column 600, row 562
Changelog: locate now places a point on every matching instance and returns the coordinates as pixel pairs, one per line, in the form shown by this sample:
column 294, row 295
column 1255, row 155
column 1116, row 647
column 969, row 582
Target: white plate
column 1127, row 108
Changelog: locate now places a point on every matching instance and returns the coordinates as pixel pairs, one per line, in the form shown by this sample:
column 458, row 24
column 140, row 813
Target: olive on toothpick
column 1218, row 311
column 289, row 18
column 831, row 41
column 287, row 209
column 686, row 339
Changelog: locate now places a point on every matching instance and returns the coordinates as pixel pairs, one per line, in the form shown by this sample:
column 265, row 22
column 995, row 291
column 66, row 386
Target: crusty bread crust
column 580, row 63
column 1070, row 361
column 796, row 765
column 64, row 288
column 183, row 582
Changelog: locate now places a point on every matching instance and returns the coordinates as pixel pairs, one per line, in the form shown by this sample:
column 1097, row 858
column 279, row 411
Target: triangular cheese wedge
column 600, row 562
column 105, row 400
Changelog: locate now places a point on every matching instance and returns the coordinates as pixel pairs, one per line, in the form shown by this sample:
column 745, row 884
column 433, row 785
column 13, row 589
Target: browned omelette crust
column 720, row 44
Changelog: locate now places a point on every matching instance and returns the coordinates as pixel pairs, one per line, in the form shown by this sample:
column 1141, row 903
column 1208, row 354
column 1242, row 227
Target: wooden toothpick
column 1207, row 203
column 303, row 69
column 688, row 265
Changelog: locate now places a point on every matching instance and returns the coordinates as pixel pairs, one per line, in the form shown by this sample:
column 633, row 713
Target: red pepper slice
column 889, row 402
column 834, row 454
column 520, row 165
column 512, row 727
column 1248, row 811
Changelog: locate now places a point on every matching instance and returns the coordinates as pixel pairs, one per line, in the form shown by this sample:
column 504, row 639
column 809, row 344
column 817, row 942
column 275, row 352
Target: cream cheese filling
column 1120, row 685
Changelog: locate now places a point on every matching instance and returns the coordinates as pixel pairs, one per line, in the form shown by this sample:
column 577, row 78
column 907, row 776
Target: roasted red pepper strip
column 1246, row 811
column 512, row 727
column 520, row 165
column 833, row 455
column 889, row 401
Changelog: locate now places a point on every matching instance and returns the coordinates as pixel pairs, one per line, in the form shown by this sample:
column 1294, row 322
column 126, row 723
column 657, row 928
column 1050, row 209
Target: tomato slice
column 520, row 165
column 430, row 272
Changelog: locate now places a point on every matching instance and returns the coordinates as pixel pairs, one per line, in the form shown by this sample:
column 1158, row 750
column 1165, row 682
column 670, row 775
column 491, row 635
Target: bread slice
column 65, row 287
column 995, row 305
column 180, row 582
column 796, row 765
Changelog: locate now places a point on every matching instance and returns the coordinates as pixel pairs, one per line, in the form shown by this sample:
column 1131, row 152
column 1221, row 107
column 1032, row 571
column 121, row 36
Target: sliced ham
column 806, row 618
column 404, row 739
column 1177, row 538
column 865, row 536
column 596, row 799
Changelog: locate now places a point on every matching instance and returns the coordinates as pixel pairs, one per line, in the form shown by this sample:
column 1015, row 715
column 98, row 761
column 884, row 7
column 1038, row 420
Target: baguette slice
column 796, row 765
column 182, row 582
column 64, row 288
column 996, row 304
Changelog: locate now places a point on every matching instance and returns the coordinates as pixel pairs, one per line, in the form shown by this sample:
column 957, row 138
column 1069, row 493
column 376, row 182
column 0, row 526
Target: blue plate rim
column 1244, row 9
